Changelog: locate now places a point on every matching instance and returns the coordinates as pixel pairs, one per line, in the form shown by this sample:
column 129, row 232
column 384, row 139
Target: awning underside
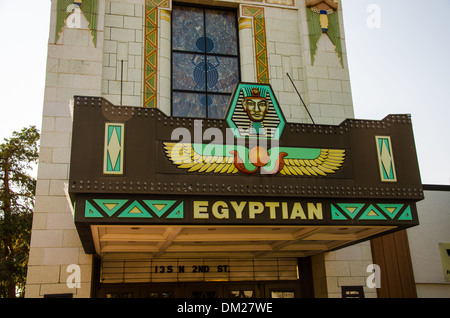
column 153, row 241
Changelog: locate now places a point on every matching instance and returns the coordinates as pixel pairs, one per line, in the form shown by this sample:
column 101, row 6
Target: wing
column 327, row 162
column 90, row 10
column 334, row 34
column 61, row 16
column 185, row 156
column 315, row 31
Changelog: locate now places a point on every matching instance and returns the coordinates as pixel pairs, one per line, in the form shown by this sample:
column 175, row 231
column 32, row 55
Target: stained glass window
column 205, row 62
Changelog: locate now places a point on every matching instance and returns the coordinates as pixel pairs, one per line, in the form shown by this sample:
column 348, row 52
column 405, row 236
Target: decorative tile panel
column 151, row 48
column 129, row 208
column 370, row 212
column 259, row 32
column 386, row 159
column 113, row 149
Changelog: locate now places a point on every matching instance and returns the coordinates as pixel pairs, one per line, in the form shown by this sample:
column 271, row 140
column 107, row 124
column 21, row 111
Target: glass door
column 242, row 291
column 159, row 291
column 119, row 292
column 204, row 291
column 282, row 290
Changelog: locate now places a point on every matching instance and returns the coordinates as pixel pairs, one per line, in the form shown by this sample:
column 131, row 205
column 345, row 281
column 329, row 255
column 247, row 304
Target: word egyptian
column 251, row 209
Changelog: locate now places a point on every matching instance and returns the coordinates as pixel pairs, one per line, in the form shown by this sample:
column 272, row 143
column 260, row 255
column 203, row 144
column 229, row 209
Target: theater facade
column 179, row 158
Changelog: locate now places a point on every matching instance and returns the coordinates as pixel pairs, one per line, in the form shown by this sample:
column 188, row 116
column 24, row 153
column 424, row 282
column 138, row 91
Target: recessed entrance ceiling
column 224, row 241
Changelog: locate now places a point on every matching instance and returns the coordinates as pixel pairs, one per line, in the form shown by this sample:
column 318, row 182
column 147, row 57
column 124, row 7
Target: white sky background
column 402, row 66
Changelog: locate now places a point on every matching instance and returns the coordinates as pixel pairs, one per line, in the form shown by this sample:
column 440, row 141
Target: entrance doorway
column 267, row 289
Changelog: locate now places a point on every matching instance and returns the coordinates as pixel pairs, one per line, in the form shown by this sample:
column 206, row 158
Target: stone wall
column 74, row 67
column 344, row 267
column 124, row 26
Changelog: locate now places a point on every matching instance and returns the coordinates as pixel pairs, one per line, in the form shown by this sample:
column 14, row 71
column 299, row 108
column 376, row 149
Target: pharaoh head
column 256, row 106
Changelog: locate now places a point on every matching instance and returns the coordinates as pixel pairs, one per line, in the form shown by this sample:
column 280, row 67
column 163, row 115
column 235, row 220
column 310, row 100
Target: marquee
column 134, row 166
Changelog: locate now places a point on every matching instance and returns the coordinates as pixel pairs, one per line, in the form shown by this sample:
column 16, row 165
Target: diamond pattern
column 113, row 157
column 386, row 159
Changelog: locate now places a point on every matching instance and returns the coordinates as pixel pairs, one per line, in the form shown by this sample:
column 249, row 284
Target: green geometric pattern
column 406, row 215
column 91, row 212
column 177, row 213
column 372, row 213
column 385, row 159
column 114, row 146
column 336, row 214
column 159, row 206
column 391, row 210
column 367, row 212
column 351, row 209
column 134, row 209
column 110, row 206
column 259, row 35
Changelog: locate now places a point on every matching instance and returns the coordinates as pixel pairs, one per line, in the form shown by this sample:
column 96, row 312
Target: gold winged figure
column 230, row 159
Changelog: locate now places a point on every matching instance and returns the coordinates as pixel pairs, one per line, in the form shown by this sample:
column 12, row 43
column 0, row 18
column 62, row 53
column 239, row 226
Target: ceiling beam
column 229, row 237
column 132, row 237
column 217, row 248
column 297, row 236
column 170, row 234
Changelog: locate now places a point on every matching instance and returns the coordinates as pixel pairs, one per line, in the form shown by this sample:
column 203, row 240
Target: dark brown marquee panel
column 138, row 167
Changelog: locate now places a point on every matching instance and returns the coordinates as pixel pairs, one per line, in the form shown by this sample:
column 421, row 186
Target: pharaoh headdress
column 246, row 126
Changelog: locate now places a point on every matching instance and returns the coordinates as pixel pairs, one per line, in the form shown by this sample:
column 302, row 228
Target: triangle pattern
column 371, row 213
column 110, row 206
column 406, row 215
column 91, row 212
column 135, row 210
column 351, row 209
column 336, row 214
column 159, row 206
column 391, row 209
column 177, row 213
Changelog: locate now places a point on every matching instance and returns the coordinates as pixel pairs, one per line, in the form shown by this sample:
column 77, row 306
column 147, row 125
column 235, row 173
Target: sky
column 398, row 54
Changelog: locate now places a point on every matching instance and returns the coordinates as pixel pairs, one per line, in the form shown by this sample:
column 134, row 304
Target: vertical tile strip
column 151, row 50
column 151, row 54
column 259, row 32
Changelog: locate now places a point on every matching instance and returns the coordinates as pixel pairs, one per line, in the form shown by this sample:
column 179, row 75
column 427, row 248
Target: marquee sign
column 137, row 165
column 169, row 270
column 218, row 210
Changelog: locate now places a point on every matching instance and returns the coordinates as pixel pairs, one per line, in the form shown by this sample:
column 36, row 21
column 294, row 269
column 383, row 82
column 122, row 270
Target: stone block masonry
column 344, row 267
column 74, row 67
column 123, row 53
